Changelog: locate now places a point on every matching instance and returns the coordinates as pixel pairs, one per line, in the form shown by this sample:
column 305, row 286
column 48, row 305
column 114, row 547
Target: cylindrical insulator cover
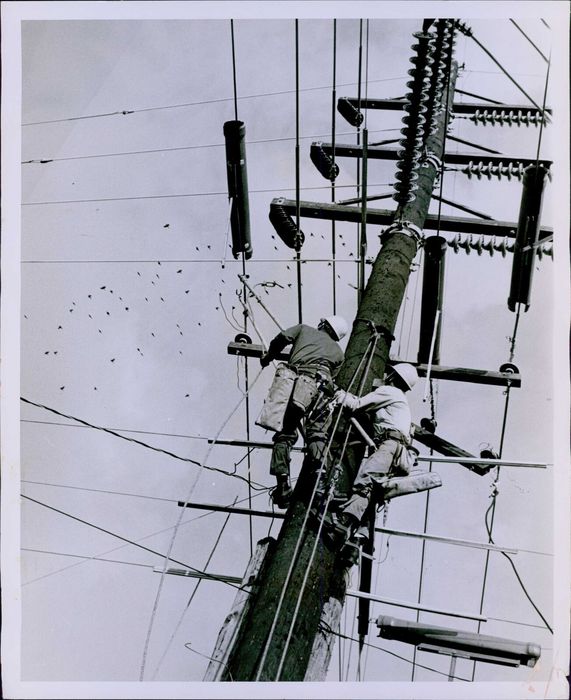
column 432, row 296
column 285, row 226
column 323, row 161
column 349, row 111
column 235, row 134
column 526, row 236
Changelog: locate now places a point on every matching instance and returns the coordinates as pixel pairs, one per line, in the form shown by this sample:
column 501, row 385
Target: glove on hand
column 265, row 360
column 345, row 399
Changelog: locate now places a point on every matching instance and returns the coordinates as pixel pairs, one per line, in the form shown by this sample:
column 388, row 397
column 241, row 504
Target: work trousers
column 372, row 471
column 315, row 425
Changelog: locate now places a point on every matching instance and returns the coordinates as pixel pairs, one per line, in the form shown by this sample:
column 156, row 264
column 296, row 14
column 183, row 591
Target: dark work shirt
column 309, row 346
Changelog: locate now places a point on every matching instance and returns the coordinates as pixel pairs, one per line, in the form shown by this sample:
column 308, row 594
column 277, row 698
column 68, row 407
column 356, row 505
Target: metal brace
column 406, row 227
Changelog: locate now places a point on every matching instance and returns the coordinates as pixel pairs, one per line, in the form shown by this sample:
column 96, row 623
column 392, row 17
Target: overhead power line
column 126, row 112
column 121, row 430
column 105, row 491
column 125, row 539
column 176, row 196
column 45, row 161
column 516, row 25
column 86, row 556
column 463, row 27
column 139, row 442
column 115, row 549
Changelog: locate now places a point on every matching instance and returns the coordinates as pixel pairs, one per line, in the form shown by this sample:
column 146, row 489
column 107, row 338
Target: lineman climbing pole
column 294, row 608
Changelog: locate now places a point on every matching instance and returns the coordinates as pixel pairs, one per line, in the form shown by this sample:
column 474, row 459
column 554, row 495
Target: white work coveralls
column 313, row 351
column 391, row 426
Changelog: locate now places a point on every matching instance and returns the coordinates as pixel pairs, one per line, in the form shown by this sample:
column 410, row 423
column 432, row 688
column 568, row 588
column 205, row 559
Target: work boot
column 281, row 494
column 340, row 528
column 349, row 553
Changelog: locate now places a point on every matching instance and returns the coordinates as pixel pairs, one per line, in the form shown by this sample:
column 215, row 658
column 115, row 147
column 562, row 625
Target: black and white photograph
column 284, row 353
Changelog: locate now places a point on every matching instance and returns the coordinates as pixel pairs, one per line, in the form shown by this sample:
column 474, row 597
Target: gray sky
column 127, row 309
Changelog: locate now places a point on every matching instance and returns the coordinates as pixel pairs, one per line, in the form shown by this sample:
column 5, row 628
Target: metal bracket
column 407, row 227
column 430, row 158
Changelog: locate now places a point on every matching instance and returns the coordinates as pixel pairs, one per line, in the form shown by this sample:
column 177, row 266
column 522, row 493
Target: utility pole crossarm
column 448, row 449
column 383, row 217
column 344, row 150
column 459, row 374
column 457, row 107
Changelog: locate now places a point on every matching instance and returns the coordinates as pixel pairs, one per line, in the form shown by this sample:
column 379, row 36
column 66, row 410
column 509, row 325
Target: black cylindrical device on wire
column 235, row 136
column 446, row 640
column 527, row 236
column 432, row 297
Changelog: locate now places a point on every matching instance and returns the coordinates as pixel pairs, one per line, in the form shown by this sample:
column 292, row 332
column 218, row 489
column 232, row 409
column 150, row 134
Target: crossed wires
column 193, row 485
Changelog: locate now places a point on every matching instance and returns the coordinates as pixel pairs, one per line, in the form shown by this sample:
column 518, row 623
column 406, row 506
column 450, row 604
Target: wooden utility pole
column 287, row 632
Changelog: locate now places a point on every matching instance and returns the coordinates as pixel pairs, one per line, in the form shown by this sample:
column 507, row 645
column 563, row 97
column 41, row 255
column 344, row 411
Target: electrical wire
column 210, row 658
column 121, row 430
column 358, row 159
column 509, row 76
column 133, row 543
column 362, row 253
column 414, row 306
column 376, row 583
column 125, row 112
column 351, row 646
column 204, row 260
column 333, row 137
column 403, row 315
column 518, row 577
column 297, row 175
column 245, row 313
column 392, row 653
column 176, row 529
column 492, row 508
column 227, row 236
column 516, row 25
column 233, row 325
column 542, row 124
column 234, row 71
column 105, row 491
column 138, row 442
column 172, row 196
column 45, row 160
column 192, row 595
column 146, row 537
column 83, row 556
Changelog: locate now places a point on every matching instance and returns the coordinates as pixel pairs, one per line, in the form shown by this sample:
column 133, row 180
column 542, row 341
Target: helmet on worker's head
column 337, row 324
column 406, row 373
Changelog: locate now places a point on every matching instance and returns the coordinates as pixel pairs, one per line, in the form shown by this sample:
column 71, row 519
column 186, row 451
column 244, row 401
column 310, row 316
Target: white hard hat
column 406, row 372
column 338, row 325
